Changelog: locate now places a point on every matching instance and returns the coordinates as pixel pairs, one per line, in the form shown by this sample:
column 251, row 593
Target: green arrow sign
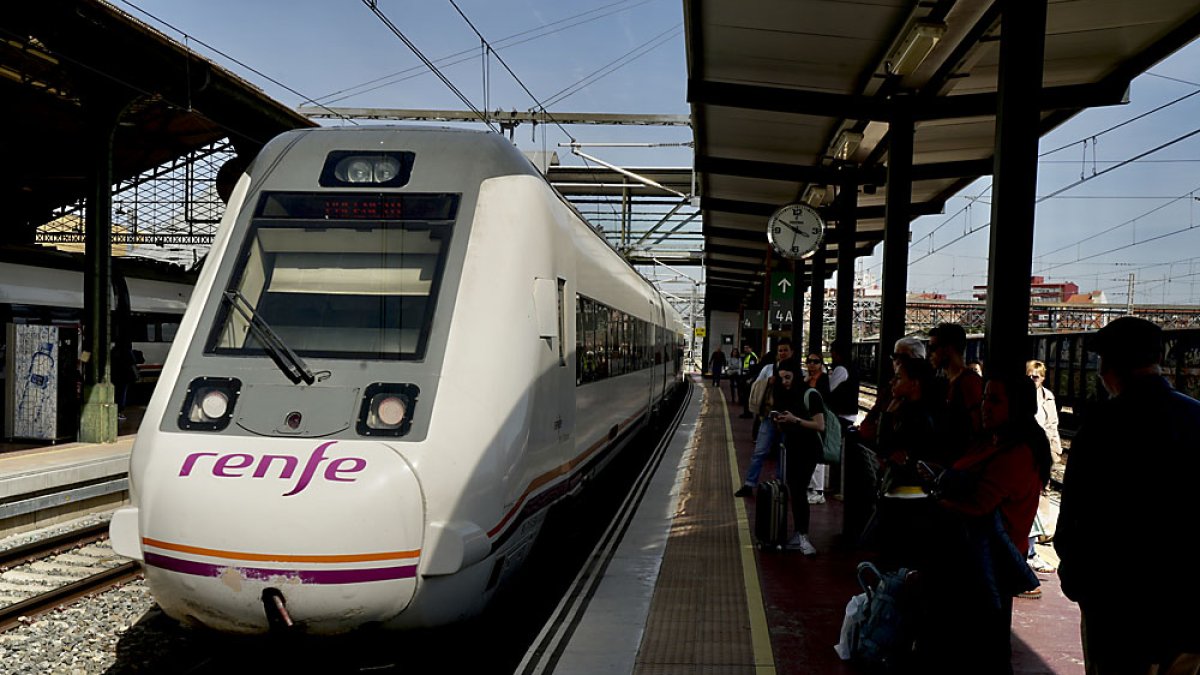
column 783, row 286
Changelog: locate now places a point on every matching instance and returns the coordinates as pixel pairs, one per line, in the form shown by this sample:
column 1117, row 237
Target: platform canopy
column 63, row 63
column 788, row 94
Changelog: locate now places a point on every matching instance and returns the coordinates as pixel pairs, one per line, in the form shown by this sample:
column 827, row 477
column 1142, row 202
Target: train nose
column 332, row 532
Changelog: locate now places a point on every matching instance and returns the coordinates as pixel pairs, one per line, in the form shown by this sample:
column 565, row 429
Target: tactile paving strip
column 698, row 618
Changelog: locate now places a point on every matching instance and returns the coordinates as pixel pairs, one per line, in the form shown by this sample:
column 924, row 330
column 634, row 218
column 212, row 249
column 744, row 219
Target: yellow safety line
column 760, row 636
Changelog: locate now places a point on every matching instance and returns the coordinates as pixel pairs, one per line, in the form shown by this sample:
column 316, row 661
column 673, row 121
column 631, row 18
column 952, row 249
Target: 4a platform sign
column 783, row 298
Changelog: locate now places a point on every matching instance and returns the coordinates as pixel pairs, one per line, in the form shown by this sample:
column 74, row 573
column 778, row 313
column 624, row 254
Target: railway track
column 43, row 575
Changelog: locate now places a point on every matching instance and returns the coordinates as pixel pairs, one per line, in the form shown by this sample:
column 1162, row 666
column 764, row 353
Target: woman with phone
column 801, row 417
column 994, row 493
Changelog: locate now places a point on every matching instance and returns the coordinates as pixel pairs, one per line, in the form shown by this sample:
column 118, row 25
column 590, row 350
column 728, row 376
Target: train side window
column 562, row 322
column 168, row 331
column 602, row 341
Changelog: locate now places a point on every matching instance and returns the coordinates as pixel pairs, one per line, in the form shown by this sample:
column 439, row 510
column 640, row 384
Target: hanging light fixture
column 920, row 41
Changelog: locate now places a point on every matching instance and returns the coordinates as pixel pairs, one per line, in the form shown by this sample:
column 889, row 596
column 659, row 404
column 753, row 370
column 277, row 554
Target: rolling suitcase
column 771, row 510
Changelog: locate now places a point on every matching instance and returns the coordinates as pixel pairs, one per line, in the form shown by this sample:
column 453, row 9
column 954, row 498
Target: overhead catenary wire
column 504, row 63
column 373, row 5
column 596, row 75
column 1059, row 191
column 540, row 106
column 192, row 38
column 469, row 54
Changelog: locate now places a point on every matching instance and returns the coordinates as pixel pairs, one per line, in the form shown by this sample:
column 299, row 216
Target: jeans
column 768, row 438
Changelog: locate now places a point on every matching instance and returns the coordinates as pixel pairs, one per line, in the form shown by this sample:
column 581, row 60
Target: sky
column 1138, row 218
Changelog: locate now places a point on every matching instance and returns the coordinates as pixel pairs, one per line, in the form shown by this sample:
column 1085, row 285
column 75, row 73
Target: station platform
column 688, row 592
column 40, row 486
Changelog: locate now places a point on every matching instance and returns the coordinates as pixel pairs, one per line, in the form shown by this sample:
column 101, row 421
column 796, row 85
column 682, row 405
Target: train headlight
column 355, row 170
column 214, row 403
column 366, row 169
column 387, row 409
column 208, row 404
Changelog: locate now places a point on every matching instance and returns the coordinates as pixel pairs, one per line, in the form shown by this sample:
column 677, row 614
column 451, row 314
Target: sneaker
column 744, row 491
column 1035, row 594
column 1038, row 565
column 800, row 542
column 816, row 498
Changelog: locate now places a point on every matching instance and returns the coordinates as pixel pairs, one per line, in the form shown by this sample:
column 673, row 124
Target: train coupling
column 278, row 619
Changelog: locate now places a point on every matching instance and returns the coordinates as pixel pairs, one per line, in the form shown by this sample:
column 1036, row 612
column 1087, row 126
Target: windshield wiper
column 288, row 361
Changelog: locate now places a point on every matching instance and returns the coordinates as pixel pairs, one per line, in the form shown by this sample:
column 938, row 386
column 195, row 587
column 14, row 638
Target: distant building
column 1040, row 291
column 1093, row 298
column 926, row 296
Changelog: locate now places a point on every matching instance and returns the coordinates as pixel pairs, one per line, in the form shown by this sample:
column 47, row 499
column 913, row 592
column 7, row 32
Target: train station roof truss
column 788, row 94
column 65, row 65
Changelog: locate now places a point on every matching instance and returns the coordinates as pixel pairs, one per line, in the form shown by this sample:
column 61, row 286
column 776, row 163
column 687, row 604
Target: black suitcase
column 771, row 510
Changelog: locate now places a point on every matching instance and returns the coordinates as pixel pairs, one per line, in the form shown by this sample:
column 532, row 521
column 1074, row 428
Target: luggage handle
column 909, row 576
column 869, row 589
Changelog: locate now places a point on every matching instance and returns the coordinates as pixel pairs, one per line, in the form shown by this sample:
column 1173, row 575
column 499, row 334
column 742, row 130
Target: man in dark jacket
column 1133, row 618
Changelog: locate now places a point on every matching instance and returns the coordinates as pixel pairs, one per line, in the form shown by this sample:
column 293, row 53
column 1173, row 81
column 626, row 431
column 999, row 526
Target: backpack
column 831, row 439
column 886, row 632
column 761, row 396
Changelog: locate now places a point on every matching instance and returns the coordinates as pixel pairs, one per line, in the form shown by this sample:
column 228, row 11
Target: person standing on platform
column 964, row 388
column 873, row 423
column 978, row 567
column 1152, row 626
column 819, row 380
column 716, row 365
column 749, row 360
column 768, row 432
column 843, row 386
column 801, row 426
column 1047, row 413
column 1047, row 418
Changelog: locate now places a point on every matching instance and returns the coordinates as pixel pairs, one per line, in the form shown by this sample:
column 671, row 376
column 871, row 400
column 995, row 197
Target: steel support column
column 895, row 234
column 1010, row 256
column 98, row 419
column 847, row 225
column 816, row 303
column 798, row 310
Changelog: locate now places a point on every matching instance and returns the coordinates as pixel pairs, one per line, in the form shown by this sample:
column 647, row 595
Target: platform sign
column 701, row 331
column 781, row 316
column 783, row 287
column 752, row 319
column 783, row 298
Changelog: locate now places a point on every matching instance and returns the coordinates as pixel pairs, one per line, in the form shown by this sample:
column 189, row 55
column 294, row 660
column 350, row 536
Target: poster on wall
column 32, row 365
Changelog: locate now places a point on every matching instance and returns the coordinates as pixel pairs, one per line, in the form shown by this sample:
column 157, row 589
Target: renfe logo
column 235, row 465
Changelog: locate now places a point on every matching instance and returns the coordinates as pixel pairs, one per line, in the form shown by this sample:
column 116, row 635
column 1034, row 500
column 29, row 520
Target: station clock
column 796, row 230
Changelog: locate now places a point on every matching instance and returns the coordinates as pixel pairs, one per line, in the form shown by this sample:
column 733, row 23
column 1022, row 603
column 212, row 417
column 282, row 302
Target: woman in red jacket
column 994, row 495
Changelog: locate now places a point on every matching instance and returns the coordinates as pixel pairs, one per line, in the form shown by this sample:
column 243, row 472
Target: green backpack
column 831, row 439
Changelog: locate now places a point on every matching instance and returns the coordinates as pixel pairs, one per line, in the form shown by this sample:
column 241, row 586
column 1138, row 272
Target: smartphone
column 774, row 414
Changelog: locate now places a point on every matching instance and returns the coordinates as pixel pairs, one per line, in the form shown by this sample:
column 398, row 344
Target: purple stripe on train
column 342, row 576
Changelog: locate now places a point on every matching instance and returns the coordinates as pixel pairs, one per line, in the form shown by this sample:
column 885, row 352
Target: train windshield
column 340, row 276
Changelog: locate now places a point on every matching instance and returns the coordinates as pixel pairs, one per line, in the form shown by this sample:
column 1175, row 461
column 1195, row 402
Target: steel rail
column 11, row 615
column 19, row 555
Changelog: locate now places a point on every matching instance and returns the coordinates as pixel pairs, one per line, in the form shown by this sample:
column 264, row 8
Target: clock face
column 796, row 230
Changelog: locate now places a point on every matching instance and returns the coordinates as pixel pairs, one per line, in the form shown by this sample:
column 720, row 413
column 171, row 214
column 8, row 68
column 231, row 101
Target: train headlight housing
column 387, row 409
column 350, row 168
column 209, row 402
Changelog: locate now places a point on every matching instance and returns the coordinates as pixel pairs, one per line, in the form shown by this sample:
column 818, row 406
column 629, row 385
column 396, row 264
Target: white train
column 404, row 348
